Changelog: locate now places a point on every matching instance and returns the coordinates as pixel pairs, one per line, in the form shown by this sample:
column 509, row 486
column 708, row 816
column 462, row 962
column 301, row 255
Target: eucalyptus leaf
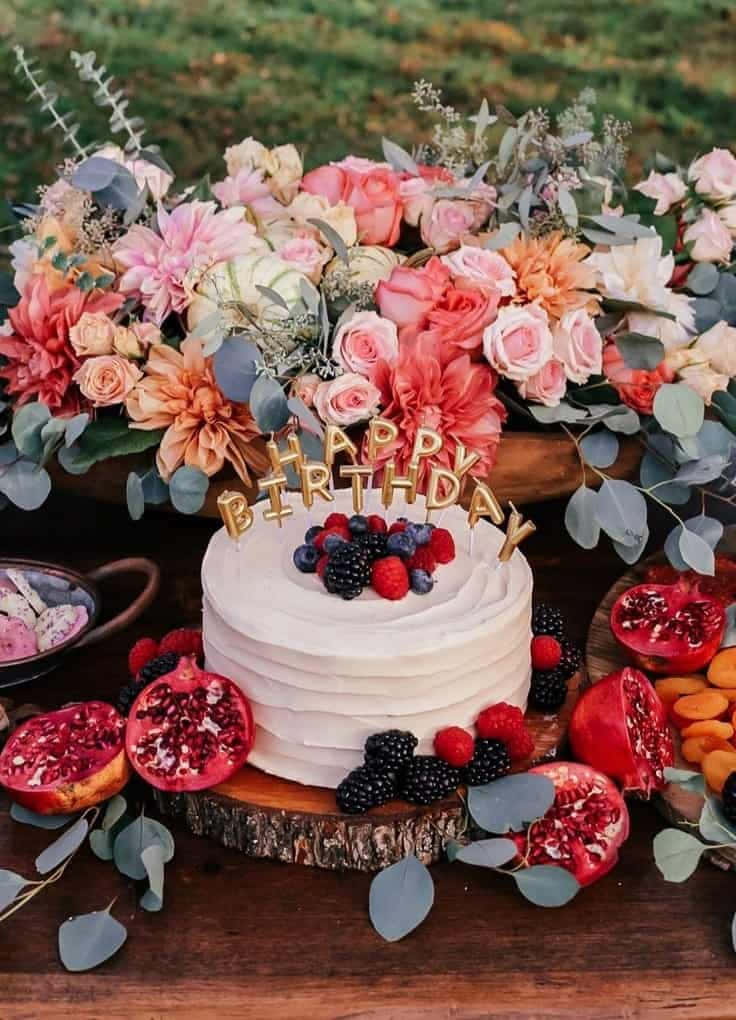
column 707, row 313
column 268, row 404
column 307, row 418
column 525, row 203
column 696, row 552
column 713, row 824
column 508, row 804
column 188, row 489
column 625, row 421
column 121, row 193
column 488, row 853
column 640, row 351
column 28, row 422
column 622, row 226
column 631, row 553
column 693, row 782
column 400, row 898
column 153, row 861
column 655, row 474
column 679, row 409
column 729, row 634
column 580, row 517
column 503, row 237
column 604, row 237
column 25, row 484
column 452, row 849
column 621, row 511
column 506, row 146
column 105, row 438
column 398, row 158
column 235, row 366
column 131, row 841
column 715, row 438
column 74, row 427
column 134, row 496
column 88, row 940
column 600, row 448
column 101, row 844
column 8, row 453
column 677, row 854
column 333, row 239
column 546, row 885
column 702, row 278
column 273, row 296
column 698, row 472
column 114, row 811
column 564, row 412
column 95, row 173
column 568, row 208
column 63, row 847
column 10, row 885
column 27, row 817
column 155, row 489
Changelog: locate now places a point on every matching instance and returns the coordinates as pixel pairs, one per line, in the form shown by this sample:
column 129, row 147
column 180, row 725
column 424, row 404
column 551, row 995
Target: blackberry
column 490, row 761
column 363, row 789
column 391, row 748
column 374, row 543
column 426, row 779
column 152, row 670
column 548, row 620
column 729, row 798
column 348, row 570
column 572, row 657
column 549, row 689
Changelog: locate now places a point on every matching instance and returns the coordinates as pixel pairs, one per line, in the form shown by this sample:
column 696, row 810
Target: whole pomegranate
column 669, row 628
column 584, row 828
column 619, row 726
column 66, row 761
column 189, row 729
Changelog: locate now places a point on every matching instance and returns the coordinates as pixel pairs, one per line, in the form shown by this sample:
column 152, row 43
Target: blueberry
column 422, row 581
column 306, row 557
column 358, row 524
column 421, row 533
column 401, row 544
column 312, row 533
column 331, row 543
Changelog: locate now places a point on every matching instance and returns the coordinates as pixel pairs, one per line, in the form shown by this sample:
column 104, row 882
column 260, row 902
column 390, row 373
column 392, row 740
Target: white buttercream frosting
column 322, row 673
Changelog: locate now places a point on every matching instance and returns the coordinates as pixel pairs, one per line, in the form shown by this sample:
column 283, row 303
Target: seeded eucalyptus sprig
column 106, row 95
column 46, row 94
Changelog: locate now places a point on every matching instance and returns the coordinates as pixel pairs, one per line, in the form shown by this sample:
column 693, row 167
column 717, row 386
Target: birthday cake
column 323, row 673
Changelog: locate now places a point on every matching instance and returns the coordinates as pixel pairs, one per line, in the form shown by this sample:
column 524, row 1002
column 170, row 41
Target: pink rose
column 483, row 200
column 667, row 189
column 346, row 400
column 710, row 238
column 547, row 386
column 446, row 221
column 714, row 174
column 482, row 266
column 578, row 345
column 458, row 319
column 635, row 386
column 92, row 334
column 371, row 189
column 416, row 191
column 364, row 340
column 408, row 294
column 306, row 255
column 107, row 379
column 519, row 342
column 305, row 387
column 329, row 181
column 247, row 187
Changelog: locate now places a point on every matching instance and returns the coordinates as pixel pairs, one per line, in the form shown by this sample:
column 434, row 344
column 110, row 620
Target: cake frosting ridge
column 322, row 674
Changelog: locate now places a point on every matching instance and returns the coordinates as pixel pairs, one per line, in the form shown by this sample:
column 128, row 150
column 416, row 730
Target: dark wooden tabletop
column 245, row 938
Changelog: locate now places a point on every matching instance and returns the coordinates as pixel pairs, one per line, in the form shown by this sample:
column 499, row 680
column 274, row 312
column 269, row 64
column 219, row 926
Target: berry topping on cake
column 397, row 526
column 401, row 544
column 338, row 529
column 546, row 652
column 348, row 571
column 421, row 582
column 322, row 565
column 335, row 520
column 506, row 722
column 390, row 578
column 390, row 748
column 377, row 523
column 364, row 788
column 182, row 641
column 421, row 533
column 548, row 620
column 331, row 542
column 306, row 558
column 374, row 543
column 427, row 779
column 311, row 533
column 490, row 761
column 358, row 524
column 142, row 652
column 454, row 745
column 423, row 559
column 442, row 545
column 548, row 690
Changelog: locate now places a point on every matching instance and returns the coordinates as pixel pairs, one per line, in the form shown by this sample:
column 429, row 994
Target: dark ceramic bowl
column 59, row 585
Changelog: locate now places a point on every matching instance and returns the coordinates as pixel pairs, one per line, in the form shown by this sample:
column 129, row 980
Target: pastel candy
column 12, row 603
column 16, row 640
column 27, row 591
column 59, row 623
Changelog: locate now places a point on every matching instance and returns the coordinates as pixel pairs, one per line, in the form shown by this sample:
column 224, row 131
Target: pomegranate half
column 619, row 726
column 669, row 628
column 584, row 828
column 66, row 761
column 189, row 729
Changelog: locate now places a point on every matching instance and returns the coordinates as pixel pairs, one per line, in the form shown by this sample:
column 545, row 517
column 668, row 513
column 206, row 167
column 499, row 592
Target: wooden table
column 254, row 939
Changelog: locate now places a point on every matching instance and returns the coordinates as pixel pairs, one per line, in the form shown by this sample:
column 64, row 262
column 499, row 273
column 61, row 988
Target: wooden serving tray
column 264, row 816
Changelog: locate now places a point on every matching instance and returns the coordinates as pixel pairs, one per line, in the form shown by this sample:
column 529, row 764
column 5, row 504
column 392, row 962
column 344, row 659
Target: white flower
column 667, row 189
column 718, row 346
column 246, row 154
column 701, row 378
column 714, row 174
column 340, row 217
column 709, row 237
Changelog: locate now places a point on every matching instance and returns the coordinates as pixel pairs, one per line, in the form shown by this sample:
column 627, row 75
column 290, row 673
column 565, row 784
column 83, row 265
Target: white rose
column 667, row 189
column 710, row 239
column 672, row 332
column 703, row 380
column 340, row 217
column 718, row 346
column 283, row 164
column 714, row 174
column 519, row 342
column 246, row 154
column 578, row 345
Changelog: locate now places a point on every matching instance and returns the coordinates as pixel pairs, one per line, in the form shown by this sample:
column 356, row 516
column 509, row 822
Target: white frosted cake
column 322, row 674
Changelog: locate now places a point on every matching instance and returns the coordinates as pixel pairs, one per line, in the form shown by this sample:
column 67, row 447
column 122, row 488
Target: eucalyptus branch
column 47, row 97
column 134, row 127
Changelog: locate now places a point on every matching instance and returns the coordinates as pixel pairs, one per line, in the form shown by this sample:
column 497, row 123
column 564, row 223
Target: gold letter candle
column 315, row 477
column 236, row 515
column 356, row 473
column 275, row 485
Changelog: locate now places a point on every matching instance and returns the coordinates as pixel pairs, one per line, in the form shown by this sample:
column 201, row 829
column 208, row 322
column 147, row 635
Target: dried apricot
column 717, row 767
column 694, row 707
column 708, row 728
column 696, row 748
column 670, row 688
column 722, row 670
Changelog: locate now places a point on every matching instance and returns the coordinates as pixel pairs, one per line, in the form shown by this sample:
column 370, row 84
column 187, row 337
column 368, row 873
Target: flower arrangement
column 501, row 273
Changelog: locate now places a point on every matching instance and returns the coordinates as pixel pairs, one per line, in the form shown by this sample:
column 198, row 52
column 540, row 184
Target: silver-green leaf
column 487, row 853
column 10, row 885
column 510, row 803
column 88, row 940
column 677, row 854
column 63, row 847
column 133, row 840
column 27, row 817
column 153, row 861
column 580, row 517
column 400, row 898
column 679, row 409
column 547, row 885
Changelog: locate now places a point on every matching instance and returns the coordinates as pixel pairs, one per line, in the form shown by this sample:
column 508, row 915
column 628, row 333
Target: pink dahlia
column 163, row 268
column 40, row 358
column 454, row 397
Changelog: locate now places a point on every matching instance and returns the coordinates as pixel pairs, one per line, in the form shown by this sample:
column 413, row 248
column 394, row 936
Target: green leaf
column 713, row 824
column 95, row 173
column 333, row 239
column 26, row 817
column 400, row 898
column 62, row 847
column 25, row 484
column 503, row 237
column 134, row 496
column 235, row 366
column 508, row 804
column 188, row 489
column 621, row 511
column 600, row 448
column 28, row 422
column 106, row 438
column 679, row 409
column 10, row 885
column 88, row 940
column 653, row 472
column 131, row 841
column 155, row 489
column 698, row 472
column 153, row 861
column 563, row 412
column 693, row 782
column 268, row 404
column 74, row 427
column 114, row 811
column 640, row 351
column 487, row 853
column 702, row 278
column 677, row 854
column 398, row 158
column 696, row 552
column 580, row 518
column 101, row 844
column 631, row 553
column 568, row 208
column 547, row 885
column 626, row 421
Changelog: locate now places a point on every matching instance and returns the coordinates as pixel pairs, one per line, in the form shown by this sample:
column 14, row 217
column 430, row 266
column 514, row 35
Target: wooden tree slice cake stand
column 603, row 656
column 264, row 816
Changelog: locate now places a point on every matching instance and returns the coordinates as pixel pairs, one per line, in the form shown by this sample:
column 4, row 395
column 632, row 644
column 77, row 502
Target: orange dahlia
column 551, row 271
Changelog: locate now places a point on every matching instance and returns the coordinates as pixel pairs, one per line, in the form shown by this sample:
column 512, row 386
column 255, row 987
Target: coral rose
column 364, row 340
column 458, row 319
column 409, row 294
column 93, row 334
column 371, row 189
column 547, row 386
column 519, row 342
column 107, row 379
column 348, row 399
column 636, row 387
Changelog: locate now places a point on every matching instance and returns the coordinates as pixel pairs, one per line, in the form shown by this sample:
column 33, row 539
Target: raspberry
column 142, row 652
column 546, row 652
column 183, row 641
column 322, row 564
column 454, row 745
column 390, row 578
column 341, row 530
column 506, row 722
column 397, row 526
column 423, row 559
column 336, row 520
column 442, row 545
column 377, row 523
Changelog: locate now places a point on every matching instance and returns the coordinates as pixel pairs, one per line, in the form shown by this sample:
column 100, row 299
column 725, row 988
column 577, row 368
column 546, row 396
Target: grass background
column 334, row 75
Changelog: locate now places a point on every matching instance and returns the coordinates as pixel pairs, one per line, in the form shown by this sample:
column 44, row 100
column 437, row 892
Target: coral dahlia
column 551, row 271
